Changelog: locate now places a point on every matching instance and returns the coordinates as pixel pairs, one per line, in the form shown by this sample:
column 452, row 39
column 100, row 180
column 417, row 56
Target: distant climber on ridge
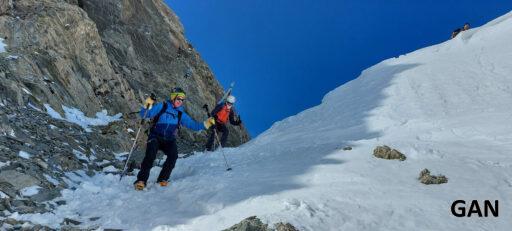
column 222, row 113
column 458, row 30
column 167, row 118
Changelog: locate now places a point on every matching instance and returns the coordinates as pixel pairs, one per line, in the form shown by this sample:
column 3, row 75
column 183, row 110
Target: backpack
column 222, row 115
column 160, row 113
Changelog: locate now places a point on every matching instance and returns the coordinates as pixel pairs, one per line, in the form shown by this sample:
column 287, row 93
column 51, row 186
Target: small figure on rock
column 458, row 30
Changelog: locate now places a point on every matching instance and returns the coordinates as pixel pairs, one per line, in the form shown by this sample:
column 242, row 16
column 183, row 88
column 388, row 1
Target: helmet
column 231, row 99
column 177, row 91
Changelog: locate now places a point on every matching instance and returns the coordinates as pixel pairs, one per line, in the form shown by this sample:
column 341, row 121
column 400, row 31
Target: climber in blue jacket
column 167, row 118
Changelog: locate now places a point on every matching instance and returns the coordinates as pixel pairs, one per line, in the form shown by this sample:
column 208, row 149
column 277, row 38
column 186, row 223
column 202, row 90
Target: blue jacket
column 168, row 123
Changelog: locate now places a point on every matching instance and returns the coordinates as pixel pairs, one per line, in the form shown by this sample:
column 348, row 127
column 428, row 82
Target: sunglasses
column 228, row 103
column 180, row 99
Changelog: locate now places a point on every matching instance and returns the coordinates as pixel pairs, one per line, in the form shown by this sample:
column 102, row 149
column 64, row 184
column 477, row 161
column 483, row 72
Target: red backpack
column 223, row 114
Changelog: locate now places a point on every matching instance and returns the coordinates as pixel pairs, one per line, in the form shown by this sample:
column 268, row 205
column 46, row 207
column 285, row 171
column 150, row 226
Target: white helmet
column 231, row 99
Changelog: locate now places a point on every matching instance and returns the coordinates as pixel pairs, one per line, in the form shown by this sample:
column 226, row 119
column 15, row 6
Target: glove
column 209, row 122
column 148, row 104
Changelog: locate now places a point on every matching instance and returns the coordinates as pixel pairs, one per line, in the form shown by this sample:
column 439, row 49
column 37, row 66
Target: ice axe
column 217, row 138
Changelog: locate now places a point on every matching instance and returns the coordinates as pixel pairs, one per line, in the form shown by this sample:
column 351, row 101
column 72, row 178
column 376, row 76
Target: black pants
column 154, row 144
column 219, row 128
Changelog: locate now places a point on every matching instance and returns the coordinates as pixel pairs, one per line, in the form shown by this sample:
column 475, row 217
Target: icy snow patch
column 26, row 91
column 11, row 57
column 102, row 118
column 30, row 191
column 110, row 168
column 52, row 112
column 25, row 155
column 34, row 107
column 80, row 155
column 51, row 179
column 102, row 162
column 76, row 116
column 120, row 156
column 2, row 45
column 2, row 164
column 3, row 195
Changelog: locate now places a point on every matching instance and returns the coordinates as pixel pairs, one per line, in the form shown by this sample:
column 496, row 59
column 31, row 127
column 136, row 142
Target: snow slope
column 445, row 107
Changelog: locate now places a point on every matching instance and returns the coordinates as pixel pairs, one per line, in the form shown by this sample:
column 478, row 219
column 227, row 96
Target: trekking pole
column 153, row 97
column 217, row 138
column 222, row 150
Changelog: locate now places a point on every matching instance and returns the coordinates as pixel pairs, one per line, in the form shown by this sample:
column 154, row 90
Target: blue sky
column 285, row 55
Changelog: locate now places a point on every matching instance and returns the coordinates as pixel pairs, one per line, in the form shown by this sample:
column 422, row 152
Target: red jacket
column 222, row 113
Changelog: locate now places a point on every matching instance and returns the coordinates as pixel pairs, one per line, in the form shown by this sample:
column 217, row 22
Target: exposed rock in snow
column 254, row 224
column 426, row 178
column 385, row 152
column 250, row 223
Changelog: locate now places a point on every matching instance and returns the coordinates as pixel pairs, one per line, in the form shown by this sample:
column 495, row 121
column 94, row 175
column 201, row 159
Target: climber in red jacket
column 222, row 113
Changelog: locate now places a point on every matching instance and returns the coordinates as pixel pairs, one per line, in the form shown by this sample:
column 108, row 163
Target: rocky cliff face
column 101, row 54
column 90, row 55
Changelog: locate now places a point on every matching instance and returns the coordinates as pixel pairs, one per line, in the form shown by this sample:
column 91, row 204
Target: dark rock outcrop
column 254, row 224
column 249, row 224
column 385, row 152
column 426, row 178
column 284, row 227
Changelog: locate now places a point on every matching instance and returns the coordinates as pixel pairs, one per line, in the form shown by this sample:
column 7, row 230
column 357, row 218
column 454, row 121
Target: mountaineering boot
column 163, row 183
column 139, row 185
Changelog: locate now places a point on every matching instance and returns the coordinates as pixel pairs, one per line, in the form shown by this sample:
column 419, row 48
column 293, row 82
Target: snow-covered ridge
column 446, row 107
column 462, row 76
